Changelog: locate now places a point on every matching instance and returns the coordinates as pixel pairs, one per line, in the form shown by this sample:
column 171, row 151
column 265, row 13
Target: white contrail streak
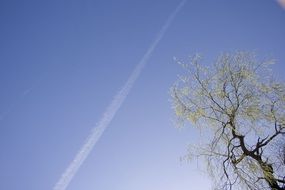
column 112, row 109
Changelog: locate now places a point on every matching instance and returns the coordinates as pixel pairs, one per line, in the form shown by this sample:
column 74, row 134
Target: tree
column 239, row 107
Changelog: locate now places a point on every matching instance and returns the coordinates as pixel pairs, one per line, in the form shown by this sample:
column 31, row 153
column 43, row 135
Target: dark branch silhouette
column 241, row 108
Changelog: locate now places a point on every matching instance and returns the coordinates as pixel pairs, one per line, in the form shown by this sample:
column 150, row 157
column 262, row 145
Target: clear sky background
column 62, row 61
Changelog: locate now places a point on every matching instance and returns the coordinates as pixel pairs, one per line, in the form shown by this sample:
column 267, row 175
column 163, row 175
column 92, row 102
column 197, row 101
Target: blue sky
column 61, row 63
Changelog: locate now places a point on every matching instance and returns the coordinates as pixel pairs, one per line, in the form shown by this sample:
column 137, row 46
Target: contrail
column 112, row 109
column 20, row 98
column 14, row 104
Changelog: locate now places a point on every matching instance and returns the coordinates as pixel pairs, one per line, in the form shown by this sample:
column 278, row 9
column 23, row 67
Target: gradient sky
column 62, row 61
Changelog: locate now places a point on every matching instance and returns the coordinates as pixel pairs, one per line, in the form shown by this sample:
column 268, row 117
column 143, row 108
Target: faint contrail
column 20, row 98
column 14, row 104
column 112, row 109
